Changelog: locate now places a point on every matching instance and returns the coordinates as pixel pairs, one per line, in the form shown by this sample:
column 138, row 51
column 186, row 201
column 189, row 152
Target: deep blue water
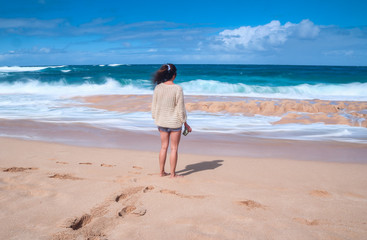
column 274, row 81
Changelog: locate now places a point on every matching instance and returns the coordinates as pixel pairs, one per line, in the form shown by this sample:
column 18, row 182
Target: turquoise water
column 42, row 93
column 295, row 82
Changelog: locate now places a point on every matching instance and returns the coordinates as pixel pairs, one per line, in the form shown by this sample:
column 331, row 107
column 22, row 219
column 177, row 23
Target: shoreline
column 112, row 193
column 85, row 135
column 301, row 111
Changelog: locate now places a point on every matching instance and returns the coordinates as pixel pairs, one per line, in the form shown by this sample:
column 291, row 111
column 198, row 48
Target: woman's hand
column 187, row 126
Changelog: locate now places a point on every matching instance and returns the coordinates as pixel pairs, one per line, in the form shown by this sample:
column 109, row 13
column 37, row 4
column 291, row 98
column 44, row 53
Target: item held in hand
column 185, row 132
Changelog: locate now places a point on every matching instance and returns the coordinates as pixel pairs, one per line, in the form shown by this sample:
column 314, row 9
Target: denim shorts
column 164, row 129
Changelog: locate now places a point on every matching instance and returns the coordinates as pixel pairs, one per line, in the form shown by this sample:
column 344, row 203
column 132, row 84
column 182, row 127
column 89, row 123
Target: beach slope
column 55, row 191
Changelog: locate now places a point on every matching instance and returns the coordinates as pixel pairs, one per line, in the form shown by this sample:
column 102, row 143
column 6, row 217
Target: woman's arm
column 181, row 105
column 154, row 103
column 182, row 110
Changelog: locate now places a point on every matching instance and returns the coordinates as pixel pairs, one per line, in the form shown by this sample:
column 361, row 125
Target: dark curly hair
column 165, row 73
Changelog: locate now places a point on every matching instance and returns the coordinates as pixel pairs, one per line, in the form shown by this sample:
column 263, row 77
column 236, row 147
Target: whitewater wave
column 341, row 92
column 20, row 69
column 25, row 69
column 61, row 66
column 116, row 65
column 351, row 91
column 61, row 89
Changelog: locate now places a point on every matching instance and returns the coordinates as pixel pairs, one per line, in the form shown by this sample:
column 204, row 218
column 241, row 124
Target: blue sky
column 53, row 32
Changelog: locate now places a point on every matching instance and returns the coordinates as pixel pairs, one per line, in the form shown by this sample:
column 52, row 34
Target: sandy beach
column 56, row 191
column 272, row 95
column 290, row 110
column 276, row 152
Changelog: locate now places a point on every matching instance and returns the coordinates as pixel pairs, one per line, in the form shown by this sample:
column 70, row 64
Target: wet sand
column 86, row 135
column 352, row 113
column 57, row 191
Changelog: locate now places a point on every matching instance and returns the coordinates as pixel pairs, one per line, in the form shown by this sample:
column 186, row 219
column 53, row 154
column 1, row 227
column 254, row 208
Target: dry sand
column 55, row 191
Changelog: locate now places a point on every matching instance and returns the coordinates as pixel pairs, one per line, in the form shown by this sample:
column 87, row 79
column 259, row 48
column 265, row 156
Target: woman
column 169, row 113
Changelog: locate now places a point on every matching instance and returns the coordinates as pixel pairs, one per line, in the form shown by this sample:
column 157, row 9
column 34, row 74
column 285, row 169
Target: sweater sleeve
column 181, row 105
column 154, row 104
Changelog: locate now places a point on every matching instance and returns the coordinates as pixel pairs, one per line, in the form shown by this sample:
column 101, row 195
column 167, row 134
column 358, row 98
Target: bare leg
column 163, row 152
column 175, row 140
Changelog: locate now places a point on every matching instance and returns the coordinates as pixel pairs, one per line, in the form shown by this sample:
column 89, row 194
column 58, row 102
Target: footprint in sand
column 147, row 189
column 62, row 162
column 126, row 210
column 102, row 217
column 139, row 212
column 320, row 193
column 307, row 222
column 128, row 192
column 107, row 165
column 120, row 197
column 85, row 163
column 80, row 222
column 136, row 173
column 250, row 204
column 166, row 191
column 137, row 167
column 18, row 169
column 65, row 176
column 131, row 209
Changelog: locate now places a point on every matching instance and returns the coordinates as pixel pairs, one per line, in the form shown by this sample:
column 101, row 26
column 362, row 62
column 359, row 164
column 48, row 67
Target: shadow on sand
column 202, row 166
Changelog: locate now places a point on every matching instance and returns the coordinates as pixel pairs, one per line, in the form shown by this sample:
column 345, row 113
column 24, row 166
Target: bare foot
column 176, row 176
column 164, row 174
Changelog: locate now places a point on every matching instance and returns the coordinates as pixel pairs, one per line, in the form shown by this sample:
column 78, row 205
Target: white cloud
column 306, row 29
column 44, row 50
column 11, row 23
column 339, row 53
column 33, row 51
column 267, row 36
column 103, row 40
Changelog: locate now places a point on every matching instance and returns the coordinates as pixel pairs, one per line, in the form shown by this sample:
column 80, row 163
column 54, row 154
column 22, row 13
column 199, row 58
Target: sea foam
column 62, row 89
column 350, row 91
column 20, row 69
column 25, row 69
column 343, row 92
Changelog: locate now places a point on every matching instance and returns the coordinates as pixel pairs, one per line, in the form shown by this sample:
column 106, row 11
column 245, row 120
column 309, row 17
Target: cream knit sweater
column 168, row 107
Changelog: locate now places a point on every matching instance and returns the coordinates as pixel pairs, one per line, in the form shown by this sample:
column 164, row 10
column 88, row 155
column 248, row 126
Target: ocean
column 45, row 94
